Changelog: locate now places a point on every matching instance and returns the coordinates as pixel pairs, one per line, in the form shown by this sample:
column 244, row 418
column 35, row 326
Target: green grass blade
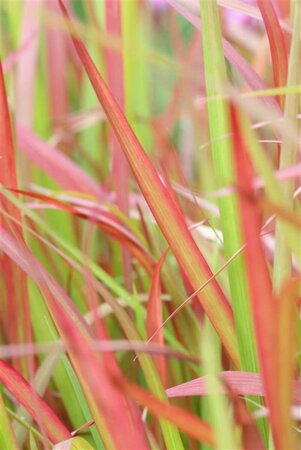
column 289, row 155
column 7, row 437
column 221, row 416
column 216, row 79
column 134, row 29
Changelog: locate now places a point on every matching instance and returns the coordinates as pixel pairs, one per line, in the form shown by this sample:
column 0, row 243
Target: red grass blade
column 154, row 316
column 250, row 434
column 14, row 302
column 167, row 213
column 105, row 220
column 8, row 172
column 284, row 8
column 185, row 421
column 276, row 40
column 107, row 405
column 262, row 298
column 54, row 429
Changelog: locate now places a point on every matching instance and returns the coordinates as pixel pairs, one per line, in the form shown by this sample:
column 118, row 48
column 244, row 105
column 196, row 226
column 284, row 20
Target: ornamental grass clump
column 150, row 225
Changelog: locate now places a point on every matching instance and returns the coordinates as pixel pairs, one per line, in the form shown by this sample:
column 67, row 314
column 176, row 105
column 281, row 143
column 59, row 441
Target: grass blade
column 220, row 415
column 233, row 56
column 242, row 383
column 106, row 405
column 287, row 344
column 288, row 157
column 216, row 79
column 166, row 211
column 263, row 301
column 14, row 302
column 116, row 83
column 154, row 317
column 276, row 40
column 57, row 53
column 64, row 171
column 75, row 443
column 186, row 422
column 7, row 437
column 39, row 410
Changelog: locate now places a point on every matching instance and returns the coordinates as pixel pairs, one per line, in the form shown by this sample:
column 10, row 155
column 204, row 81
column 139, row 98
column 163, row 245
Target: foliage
column 150, row 224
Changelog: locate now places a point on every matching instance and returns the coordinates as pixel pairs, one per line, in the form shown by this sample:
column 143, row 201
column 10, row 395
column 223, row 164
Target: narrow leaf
column 39, row 410
column 232, row 55
column 287, row 317
column 289, row 155
column 242, row 383
column 116, row 84
column 57, row 165
column 14, row 301
column 260, row 287
column 276, row 40
column 75, row 443
column 106, row 405
column 154, row 316
column 167, row 213
column 184, row 420
column 218, row 117
column 7, row 436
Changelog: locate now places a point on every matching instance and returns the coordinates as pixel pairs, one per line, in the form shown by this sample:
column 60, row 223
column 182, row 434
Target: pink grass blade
column 107, row 405
column 260, row 287
column 116, row 84
column 167, row 213
column 105, row 346
column 54, row 429
column 13, row 57
column 154, row 318
column 26, row 68
column 57, row 54
column 57, row 165
column 242, row 383
column 276, row 40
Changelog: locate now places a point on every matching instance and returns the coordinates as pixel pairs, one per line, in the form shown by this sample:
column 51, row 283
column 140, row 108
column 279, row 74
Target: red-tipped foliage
column 14, row 302
column 260, row 286
column 154, row 317
column 54, row 429
column 276, row 40
column 164, row 208
column 108, row 406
